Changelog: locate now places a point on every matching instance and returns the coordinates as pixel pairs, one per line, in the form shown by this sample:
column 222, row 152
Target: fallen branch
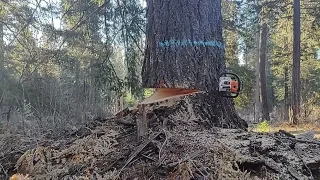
column 304, row 141
column 292, row 137
column 191, row 156
column 4, row 171
column 125, row 121
column 116, row 161
column 150, row 158
column 294, row 173
column 286, row 133
column 297, row 151
column 138, row 150
column 199, row 170
column 164, row 143
column 290, row 169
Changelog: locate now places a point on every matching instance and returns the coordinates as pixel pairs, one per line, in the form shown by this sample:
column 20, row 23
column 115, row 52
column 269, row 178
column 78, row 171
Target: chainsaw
column 230, row 85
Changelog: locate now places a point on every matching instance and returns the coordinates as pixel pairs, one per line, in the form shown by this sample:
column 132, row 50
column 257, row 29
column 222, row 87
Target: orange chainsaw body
column 234, row 86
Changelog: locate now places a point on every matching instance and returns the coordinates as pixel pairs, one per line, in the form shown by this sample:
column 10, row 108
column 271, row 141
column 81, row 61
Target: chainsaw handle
column 240, row 83
column 236, row 95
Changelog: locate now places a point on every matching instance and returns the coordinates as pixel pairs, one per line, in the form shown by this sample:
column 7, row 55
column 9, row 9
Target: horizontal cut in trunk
column 185, row 54
column 162, row 94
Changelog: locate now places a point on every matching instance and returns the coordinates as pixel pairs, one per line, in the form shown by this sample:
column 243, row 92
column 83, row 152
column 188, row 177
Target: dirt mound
column 183, row 149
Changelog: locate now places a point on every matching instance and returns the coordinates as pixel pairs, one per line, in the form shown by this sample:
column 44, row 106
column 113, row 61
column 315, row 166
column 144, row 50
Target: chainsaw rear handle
column 239, row 83
column 234, row 96
column 237, row 77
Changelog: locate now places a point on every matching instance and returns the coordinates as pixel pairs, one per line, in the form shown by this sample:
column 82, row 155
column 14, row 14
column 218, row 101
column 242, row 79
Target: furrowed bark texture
column 1, row 53
column 185, row 50
column 296, row 82
column 263, row 74
column 286, row 95
column 257, row 102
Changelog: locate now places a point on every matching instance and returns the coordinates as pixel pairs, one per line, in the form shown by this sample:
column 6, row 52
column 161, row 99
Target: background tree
column 296, row 82
column 262, row 68
column 237, row 42
column 62, row 53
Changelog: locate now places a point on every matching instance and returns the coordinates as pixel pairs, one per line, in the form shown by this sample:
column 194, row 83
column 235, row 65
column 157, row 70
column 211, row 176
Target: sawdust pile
column 182, row 149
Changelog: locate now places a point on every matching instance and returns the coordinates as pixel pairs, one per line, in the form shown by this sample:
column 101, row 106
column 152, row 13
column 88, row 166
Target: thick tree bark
column 1, row 53
column 2, row 80
column 263, row 75
column 257, row 102
column 296, row 63
column 286, row 95
column 185, row 49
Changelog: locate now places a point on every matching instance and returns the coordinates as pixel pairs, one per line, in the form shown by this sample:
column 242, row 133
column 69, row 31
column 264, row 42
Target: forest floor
column 108, row 148
column 293, row 129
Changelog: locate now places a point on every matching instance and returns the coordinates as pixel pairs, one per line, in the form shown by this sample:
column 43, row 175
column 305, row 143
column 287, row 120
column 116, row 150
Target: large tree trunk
column 257, row 102
column 263, row 75
column 296, row 63
column 185, row 49
column 2, row 64
column 1, row 53
column 286, row 95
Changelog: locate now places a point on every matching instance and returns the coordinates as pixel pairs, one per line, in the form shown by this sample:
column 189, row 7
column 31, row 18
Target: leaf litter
column 180, row 149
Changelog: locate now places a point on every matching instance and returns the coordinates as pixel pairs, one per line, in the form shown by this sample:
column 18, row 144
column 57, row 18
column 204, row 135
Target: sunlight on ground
column 298, row 129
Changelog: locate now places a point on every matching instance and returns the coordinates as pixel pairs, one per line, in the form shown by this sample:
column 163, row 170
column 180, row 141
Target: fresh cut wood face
column 162, row 94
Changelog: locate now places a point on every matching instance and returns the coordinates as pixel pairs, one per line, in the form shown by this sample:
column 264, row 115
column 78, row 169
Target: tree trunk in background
column 296, row 63
column 245, row 56
column 2, row 80
column 1, row 54
column 185, row 49
column 257, row 102
column 270, row 91
column 286, row 95
column 263, row 75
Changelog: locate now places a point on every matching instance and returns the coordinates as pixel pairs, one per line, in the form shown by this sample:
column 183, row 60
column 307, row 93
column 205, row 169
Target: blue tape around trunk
column 173, row 42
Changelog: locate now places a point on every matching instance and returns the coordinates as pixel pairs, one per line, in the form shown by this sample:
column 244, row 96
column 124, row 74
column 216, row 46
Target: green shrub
column 129, row 99
column 148, row 92
column 263, row 126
